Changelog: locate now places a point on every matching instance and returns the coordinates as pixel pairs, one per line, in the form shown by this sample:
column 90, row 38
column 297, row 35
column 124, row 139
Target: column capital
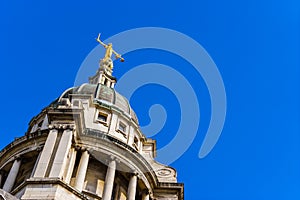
column 109, row 159
column 81, row 148
column 76, row 147
column 51, row 127
column 135, row 173
column 113, row 158
column 17, row 158
column 60, row 126
column 84, row 149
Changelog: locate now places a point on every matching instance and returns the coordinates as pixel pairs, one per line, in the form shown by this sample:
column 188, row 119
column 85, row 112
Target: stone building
column 86, row 144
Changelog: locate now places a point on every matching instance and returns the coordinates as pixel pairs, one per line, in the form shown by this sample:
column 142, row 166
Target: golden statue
column 109, row 51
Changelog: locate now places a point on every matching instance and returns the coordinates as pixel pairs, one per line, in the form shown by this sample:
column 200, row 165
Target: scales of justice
column 107, row 62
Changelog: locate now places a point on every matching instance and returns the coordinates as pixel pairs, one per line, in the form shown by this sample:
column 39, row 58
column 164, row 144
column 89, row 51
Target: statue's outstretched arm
column 118, row 56
column 98, row 40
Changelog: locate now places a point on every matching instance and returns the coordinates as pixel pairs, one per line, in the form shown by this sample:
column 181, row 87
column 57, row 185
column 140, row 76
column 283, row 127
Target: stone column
column 61, row 156
column 71, row 166
column 109, row 180
column 11, row 178
column 81, row 171
column 46, row 154
column 132, row 187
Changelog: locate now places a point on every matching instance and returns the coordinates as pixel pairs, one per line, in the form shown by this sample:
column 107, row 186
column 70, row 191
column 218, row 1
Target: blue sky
column 255, row 44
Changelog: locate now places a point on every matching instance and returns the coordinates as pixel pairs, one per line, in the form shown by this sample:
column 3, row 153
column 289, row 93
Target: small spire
column 104, row 73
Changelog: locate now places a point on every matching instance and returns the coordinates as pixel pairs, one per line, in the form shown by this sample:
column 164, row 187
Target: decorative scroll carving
column 164, row 172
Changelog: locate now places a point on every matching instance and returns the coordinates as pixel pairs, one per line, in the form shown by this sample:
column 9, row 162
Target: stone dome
column 104, row 110
column 103, row 95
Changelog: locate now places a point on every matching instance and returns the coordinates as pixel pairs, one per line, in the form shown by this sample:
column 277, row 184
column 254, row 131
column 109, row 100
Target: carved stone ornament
column 164, row 172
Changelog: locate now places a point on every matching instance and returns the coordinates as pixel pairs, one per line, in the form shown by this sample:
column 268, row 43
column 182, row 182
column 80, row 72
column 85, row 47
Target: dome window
column 122, row 127
column 135, row 142
column 102, row 117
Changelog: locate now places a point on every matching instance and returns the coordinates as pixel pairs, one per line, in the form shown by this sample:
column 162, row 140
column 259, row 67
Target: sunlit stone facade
column 87, row 144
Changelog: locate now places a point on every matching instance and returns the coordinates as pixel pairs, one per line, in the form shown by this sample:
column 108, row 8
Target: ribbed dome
column 104, row 95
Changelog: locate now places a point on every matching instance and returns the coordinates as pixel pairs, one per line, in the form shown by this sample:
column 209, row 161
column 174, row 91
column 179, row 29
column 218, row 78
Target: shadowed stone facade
column 87, row 144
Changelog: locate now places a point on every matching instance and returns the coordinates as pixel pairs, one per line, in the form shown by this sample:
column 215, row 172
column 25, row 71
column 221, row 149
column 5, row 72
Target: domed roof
column 103, row 95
